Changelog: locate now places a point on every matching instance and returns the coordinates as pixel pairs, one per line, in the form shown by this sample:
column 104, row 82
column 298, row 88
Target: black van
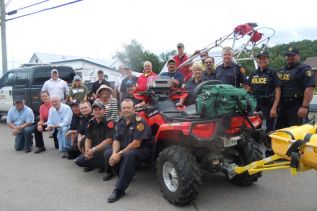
column 28, row 82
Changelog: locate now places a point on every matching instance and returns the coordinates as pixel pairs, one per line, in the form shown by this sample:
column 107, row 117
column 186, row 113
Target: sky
column 99, row 28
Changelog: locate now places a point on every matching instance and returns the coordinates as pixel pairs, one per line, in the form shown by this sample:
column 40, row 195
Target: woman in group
column 104, row 94
column 78, row 91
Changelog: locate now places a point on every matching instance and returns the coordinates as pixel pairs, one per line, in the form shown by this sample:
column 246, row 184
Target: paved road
column 48, row 182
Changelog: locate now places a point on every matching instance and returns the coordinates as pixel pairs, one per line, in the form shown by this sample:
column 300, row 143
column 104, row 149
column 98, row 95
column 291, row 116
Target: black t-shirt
column 98, row 132
column 137, row 129
column 232, row 74
column 74, row 124
column 96, row 85
column 84, row 123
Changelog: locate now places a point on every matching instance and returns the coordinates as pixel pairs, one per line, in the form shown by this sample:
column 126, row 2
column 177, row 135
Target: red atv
column 185, row 143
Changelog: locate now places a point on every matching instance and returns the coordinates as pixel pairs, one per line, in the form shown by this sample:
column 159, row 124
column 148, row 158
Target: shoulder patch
column 140, row 127
column 110, row 124
column 309, row 73
column 138, row 119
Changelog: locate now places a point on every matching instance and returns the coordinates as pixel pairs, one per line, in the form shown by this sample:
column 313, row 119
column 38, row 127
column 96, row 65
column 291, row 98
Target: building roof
column 46, row 58
column 311, row 61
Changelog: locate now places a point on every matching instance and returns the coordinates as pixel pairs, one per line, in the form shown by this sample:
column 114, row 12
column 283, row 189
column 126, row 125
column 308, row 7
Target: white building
column 85, row 66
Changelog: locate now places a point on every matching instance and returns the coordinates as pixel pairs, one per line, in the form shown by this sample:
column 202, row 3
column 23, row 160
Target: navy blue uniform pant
column 126, row 168
column 287, row 115
column 97, row 161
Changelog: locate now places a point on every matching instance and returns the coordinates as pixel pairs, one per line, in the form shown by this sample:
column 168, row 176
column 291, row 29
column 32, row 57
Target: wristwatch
column 120, row 152
column 94, row 149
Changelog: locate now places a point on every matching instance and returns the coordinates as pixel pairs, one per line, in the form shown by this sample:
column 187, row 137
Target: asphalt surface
column 47, row 182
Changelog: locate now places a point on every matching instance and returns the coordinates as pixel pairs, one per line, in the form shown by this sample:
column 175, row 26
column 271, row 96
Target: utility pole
column 3, row 37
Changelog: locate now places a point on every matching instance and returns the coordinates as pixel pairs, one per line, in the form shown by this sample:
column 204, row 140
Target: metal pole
column 3, row 38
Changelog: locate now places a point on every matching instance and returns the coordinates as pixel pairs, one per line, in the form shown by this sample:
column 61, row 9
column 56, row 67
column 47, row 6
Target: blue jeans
column 63, row 141
column 24, row 140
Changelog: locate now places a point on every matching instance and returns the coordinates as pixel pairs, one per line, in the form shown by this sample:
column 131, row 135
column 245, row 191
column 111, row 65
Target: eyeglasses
column 209, row 62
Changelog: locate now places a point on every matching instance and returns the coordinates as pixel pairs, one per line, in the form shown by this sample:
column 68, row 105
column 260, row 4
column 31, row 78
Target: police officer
column 266, row 87
column 229, row 72
column 98, row 136
column 297, row 89
column 131, row 145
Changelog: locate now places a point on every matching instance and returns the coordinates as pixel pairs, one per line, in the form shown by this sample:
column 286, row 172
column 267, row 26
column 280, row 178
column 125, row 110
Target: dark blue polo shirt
column 175, row 75
column 232, row 74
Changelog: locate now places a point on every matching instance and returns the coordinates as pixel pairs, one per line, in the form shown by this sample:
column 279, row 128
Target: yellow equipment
column 296, row 146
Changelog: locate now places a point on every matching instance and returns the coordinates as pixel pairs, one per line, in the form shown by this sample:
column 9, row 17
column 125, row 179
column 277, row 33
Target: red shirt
column 44, row 112
column 185, row 69
column 142, row 81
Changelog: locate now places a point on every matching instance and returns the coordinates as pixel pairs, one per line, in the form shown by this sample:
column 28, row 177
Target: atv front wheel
column 178, row 175
column 249, row 151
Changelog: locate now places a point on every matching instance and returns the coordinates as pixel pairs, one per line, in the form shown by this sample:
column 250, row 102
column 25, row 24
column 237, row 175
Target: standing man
column 59, row 118
column 177, row 77
column 129, row 79
column 56, row 86
column 98, row 135
column 101, row 81
column 209, row 72
column 118, row 82
column 229, row 72
column 180, row 58
column 298, row 83
column 131, row 146
column 147, row 72
column 265, row 86
column 20, row 120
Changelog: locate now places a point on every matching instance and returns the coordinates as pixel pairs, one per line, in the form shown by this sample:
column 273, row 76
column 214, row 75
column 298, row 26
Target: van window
column 7, row 79
column 43, row 74
column 22, row 77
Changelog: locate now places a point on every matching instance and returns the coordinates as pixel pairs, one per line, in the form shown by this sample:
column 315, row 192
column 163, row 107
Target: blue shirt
column 175, row 75
column 18, row 118
column 62, row 117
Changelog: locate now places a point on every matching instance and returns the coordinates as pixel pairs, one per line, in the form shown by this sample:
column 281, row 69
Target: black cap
column 75, row 102
column 100, row 72
column 18, row 98
column 99, row 104
column 263, row 53
column 292, row 51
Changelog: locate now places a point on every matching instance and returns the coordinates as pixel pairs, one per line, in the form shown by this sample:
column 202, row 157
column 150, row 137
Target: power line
column 31, row 5
column 43, row 10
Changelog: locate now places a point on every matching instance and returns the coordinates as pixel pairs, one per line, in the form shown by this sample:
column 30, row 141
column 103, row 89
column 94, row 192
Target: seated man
column 143, row 78
column 177, row 77
column 131, row 146
column 20, row 119
column 59, row 118
column 98, row 136
column 86, row 115
column 73, row 130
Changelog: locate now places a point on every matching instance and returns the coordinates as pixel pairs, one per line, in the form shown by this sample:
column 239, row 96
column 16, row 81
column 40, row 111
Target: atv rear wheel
column 178, row 175
column 249, row 151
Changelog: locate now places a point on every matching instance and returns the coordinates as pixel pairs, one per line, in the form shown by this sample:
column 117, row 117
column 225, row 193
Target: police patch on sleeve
column 309, row 73
column 140, row 127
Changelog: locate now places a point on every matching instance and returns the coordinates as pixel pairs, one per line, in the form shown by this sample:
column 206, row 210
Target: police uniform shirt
column 232, row 74
column 263, row 82
column 98, row 132
column 295, row 79
column 96, row 85
column 137, row 129
column 175, row 75
column 84, row 123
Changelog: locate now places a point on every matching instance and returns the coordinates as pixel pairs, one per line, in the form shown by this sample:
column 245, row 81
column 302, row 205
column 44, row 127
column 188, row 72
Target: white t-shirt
column 56, row 88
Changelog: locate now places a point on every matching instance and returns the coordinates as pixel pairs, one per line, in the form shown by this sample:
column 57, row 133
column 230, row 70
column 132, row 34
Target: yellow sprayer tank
column 283, row 139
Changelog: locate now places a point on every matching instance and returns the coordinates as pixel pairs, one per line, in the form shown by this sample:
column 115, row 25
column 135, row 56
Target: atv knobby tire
column 178, row 175
column 249, row 151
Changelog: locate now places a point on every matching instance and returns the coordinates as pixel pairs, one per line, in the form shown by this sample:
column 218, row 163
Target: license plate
column 229, row 142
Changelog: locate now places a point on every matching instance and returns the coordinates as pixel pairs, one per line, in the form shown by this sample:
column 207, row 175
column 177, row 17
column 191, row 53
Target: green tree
column 134, row 56
column 165, row 56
